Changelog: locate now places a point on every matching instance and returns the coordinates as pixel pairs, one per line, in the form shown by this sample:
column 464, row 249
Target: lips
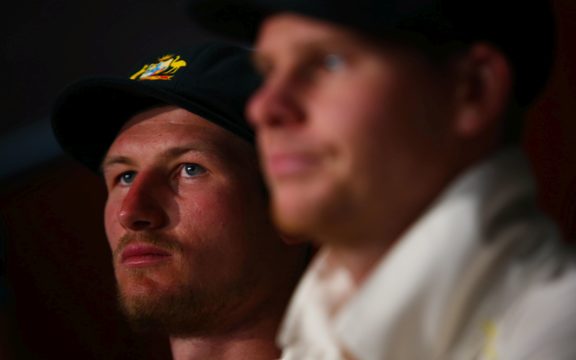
column 142, row 255
column 290, row 165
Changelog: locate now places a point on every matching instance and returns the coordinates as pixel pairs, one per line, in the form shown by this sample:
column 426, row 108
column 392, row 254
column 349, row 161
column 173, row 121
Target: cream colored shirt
column 481, row 275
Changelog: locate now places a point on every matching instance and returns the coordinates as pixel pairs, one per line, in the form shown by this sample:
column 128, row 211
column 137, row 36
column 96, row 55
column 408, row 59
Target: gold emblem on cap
column 164, row 69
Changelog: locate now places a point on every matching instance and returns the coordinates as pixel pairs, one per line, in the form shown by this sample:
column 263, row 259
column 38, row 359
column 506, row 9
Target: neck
column 358, row 260
column 360, row 243
column 256, row 343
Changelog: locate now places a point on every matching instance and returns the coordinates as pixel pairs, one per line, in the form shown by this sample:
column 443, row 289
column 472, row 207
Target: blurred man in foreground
column 194, row 252
column 389, row 132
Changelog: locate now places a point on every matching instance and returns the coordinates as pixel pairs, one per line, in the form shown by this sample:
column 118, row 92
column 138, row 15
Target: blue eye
column 333, row 62
column 190, row 170
column 127, row 177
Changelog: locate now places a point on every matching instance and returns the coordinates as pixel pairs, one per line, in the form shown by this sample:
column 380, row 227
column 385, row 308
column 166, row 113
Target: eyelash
column 182, row 172
column 328, row 62
column 120, row 178
column 196, row 166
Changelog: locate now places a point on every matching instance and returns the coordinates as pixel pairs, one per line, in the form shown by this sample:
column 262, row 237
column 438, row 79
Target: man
column 194, row 252
column 387, row 131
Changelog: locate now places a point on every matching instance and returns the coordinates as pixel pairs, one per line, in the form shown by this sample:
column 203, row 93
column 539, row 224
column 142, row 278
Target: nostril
column 141, row 225
column 140, row 216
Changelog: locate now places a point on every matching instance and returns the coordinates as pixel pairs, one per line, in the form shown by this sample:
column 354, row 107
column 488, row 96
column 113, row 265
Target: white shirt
column 481, row 275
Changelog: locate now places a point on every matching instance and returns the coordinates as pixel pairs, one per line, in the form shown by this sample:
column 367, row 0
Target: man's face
column 350, row 132
column 187, row 223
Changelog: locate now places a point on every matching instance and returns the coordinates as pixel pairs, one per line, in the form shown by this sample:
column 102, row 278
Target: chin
column 317, row 212
column 296, row 215
column 140, row 283
column 177, row 313
column 136, row 294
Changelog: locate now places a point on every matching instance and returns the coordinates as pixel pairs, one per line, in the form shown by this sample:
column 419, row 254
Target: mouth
column 143, row 255
column 290, row 165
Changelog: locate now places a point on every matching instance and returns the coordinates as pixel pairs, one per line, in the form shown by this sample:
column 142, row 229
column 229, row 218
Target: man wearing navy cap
column 389, row 133
column 194, row 252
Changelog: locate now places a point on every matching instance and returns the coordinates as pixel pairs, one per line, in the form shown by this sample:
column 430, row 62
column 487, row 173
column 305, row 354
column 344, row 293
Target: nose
column 143, row 207
column 277, row 103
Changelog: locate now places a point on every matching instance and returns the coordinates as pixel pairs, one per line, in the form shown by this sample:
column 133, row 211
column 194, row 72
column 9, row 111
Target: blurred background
column 57, row 296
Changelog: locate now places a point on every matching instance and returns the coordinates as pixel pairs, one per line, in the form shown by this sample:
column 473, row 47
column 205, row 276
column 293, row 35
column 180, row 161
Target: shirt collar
column 406, row 295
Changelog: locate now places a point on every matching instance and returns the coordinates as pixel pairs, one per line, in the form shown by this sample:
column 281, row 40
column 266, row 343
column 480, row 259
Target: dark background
column 56, row 283
column 58, row 295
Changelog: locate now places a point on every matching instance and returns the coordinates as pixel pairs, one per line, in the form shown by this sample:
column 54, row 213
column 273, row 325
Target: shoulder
column 541, row 324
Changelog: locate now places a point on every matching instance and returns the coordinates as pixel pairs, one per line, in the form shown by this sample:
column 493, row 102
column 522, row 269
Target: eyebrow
column 308, row 48
column 114, row 160
column 180, row 150
column 170, row 153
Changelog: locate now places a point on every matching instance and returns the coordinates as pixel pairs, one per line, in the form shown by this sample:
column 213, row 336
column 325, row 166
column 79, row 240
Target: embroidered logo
column 490, row 333
column 164, row 69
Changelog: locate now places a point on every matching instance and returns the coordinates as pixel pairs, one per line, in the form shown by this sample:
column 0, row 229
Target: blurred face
column 186, row 220
column 350, row 132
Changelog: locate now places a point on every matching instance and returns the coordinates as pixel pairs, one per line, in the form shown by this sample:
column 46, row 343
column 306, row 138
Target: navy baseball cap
column 212, row 80
column 523, row 31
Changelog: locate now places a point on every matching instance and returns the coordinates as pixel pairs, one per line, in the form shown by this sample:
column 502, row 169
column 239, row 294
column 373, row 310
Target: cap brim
column 89, row 114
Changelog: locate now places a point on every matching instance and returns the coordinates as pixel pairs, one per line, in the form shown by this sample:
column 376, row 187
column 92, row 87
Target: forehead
column 285, row 37
column 172, row 124
column 291, row 39
column 292, row 30
column 162, row 129
column 167, row 117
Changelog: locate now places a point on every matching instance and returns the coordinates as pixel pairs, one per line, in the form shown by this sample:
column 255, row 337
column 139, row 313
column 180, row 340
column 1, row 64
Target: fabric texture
column 481, row 275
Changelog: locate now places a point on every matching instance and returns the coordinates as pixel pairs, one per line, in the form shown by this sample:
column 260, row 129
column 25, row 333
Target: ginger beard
column 187, row 307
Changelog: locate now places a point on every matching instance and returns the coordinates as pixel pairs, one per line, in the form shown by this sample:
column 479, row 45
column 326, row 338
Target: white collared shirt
column 481, row 275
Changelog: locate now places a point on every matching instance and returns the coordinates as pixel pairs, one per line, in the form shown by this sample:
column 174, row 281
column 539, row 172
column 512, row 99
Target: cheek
column 371, row 132
column 206, row 207
column 214, row 229
column 352, row 122
column 357, row 102
column 213, row 213
column 111, row 224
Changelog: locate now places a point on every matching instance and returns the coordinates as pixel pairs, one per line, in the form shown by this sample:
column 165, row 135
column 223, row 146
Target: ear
column 484, row 81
